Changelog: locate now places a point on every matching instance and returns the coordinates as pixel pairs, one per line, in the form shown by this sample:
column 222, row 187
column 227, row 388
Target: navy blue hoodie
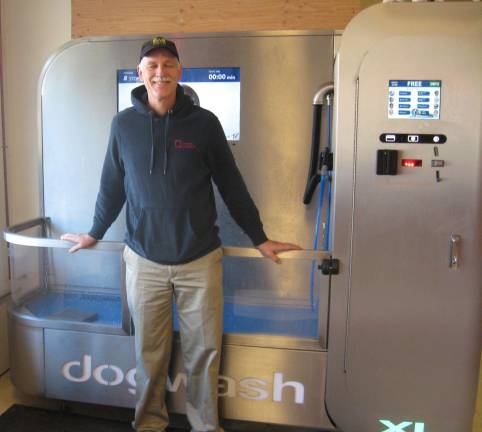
column 162, row 167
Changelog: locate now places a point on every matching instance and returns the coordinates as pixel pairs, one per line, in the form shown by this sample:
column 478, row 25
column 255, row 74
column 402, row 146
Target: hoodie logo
column 184, row 145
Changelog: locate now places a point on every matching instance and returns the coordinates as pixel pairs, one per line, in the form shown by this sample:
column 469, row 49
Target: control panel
column 389, row 160
column 411, row 99
column 414, row 99
column 413, row 138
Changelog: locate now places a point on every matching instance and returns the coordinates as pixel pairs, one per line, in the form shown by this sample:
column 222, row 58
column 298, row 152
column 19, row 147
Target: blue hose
column 325, row 178
column 328, row 210
column 315, row 244
column 326, row 244
column 318, row 212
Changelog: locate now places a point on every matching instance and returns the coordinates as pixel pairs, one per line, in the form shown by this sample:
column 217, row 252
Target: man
column 162, row 154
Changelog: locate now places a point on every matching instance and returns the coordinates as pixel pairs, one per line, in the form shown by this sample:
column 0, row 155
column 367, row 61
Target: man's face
column 160, row 71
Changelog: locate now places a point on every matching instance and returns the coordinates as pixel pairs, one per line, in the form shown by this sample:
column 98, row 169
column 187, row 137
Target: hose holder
column 321, row 96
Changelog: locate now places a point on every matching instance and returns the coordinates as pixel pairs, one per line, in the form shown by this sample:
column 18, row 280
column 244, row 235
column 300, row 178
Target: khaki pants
column 197, row 289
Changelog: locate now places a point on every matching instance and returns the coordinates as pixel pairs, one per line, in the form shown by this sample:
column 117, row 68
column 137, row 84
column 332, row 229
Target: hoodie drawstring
column 166, row 128
column 153, row 143
column 151, row 163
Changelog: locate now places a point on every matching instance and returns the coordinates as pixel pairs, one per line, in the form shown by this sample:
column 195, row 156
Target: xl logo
column 401, row 427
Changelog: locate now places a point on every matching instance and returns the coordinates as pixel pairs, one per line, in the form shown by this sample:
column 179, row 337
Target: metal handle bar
column 11, row 235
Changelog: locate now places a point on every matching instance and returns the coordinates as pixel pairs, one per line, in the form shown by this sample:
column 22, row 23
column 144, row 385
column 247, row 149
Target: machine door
column 412, row 340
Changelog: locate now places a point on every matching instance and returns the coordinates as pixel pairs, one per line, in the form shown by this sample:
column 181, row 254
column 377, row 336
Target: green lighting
column 405, row 426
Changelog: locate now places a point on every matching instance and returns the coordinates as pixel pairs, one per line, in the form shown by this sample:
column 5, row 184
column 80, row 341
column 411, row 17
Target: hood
column 139, row 101
column 182, row 106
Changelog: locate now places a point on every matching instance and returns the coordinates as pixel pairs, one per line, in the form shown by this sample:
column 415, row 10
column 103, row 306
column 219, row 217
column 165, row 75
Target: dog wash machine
column 389, row 338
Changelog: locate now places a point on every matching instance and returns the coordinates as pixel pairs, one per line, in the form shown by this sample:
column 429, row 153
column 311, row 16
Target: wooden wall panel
column 132, row 17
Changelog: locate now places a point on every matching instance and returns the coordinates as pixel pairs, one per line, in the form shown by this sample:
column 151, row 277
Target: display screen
column 414, row 99
column 216, row 89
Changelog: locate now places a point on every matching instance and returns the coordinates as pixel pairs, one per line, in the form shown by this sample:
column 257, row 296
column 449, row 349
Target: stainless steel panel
column 405, row 332
column 90, row 367
column 280, row 386
column 26, row 346
column 274, row 386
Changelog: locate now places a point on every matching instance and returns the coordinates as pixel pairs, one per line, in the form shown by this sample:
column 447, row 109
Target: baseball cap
column 159, row 42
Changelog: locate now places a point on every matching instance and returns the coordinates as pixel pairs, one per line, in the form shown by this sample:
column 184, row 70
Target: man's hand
column 270, row 248
column 81, row 241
